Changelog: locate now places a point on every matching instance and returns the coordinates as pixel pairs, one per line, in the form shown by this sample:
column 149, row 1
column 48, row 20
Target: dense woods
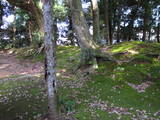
column 79, row 59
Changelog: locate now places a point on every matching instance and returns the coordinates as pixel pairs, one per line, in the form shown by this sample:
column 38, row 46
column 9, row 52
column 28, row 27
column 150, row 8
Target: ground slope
column 126, row 91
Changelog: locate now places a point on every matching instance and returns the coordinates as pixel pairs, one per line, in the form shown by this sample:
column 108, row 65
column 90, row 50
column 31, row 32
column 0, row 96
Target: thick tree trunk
column 96, row 25
column 88, row 47
column 80, row 25
column 50, row 59
column 107, row 22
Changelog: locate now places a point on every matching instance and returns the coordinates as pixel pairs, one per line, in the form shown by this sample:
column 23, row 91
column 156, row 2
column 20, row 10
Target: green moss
column 108, row 84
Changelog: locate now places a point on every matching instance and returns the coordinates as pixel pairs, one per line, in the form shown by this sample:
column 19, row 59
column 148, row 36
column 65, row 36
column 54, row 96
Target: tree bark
column 96, row 24
column 80, row 25
column 50, row 75
column 146, row 20
column 107, row 22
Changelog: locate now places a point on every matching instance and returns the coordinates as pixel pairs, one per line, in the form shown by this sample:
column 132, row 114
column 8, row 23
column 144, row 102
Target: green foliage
column 37, row 39
column 60, row 10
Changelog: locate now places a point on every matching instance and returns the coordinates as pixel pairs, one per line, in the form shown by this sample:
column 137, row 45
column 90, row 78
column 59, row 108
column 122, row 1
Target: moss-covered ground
column 103, row 94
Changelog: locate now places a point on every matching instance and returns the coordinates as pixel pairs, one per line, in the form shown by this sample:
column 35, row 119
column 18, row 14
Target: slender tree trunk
column 107, row 22
column 149, row 34
column 118, row 25
column 50, row 75
column 158, row 33
column 70, row 34
column 144, row 29
column 96, row 24
column 146, row 20
column 30, row 31
column 118, row 32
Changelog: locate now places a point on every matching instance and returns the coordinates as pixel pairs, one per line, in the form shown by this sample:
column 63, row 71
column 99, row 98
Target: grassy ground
column 101, row 95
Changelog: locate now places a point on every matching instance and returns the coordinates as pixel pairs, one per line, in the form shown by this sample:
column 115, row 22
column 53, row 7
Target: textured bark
column 50, row 75
column 96, row 24
column 80, row 25
column 107, row 22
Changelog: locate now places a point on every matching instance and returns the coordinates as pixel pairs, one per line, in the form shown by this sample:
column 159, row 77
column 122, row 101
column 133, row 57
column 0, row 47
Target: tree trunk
column 88, row 47
column 149, row 34
column 144, row 29
column 118, row 25
column 80, row 25
column 158, row 33
column 146, row 20
column 30, row 32
column 96, row 25
column 70, row 29
column 50, row 75
column 118, row 32
column 107, row 22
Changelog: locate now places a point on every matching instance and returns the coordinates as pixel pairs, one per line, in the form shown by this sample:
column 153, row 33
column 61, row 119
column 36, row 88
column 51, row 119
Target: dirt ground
column 10, row 66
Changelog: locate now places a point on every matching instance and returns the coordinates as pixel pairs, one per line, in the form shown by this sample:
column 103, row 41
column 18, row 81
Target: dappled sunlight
column 58, row 74
column 3, row 66
column 133, row 52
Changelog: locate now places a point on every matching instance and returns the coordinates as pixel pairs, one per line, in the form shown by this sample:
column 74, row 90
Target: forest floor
column 10, row 65
column 127, row 91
